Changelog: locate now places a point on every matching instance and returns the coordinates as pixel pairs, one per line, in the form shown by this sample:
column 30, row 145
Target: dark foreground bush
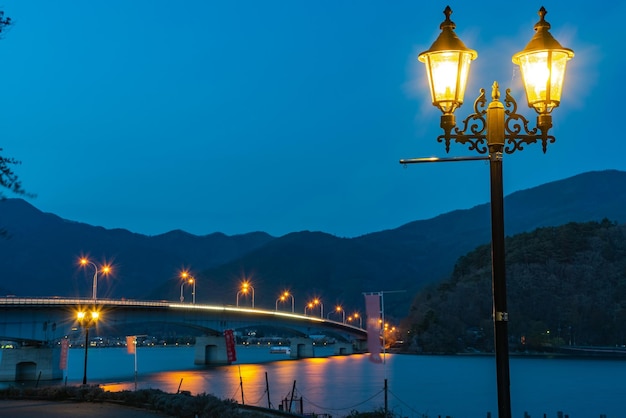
column 182, row 405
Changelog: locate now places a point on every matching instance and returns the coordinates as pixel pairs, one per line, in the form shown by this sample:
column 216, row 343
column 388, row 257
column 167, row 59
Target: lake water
column 455, row 386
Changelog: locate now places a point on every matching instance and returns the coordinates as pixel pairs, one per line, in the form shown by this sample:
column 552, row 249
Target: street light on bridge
column 87, row 319
column 245, row 288
column 187, row 278
column 542, row 66
column 283, row 297
column 338, row 309
column 313, row 304
column 354, row 317
column 105, row 269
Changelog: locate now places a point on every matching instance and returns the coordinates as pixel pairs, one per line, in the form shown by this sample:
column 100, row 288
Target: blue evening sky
column 281, row 116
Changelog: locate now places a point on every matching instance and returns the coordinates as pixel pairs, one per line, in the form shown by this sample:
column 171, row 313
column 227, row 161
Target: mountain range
column 39, row 252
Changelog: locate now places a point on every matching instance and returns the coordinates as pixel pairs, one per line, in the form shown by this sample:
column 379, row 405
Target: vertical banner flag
column 64, row 349
column 231, row 354
column 131, row 344
column 372, row 308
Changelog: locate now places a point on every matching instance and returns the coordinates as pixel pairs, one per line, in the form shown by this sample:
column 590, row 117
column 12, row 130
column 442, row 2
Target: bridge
column 38, row 326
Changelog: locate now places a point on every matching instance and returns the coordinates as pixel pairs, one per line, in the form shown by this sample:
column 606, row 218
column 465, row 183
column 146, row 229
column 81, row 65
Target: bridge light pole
column 245, row 288
column 313, row 304
column 187, row 278
column 106, row 269
column 86, row 320
column 283, row 297
column 338, row 309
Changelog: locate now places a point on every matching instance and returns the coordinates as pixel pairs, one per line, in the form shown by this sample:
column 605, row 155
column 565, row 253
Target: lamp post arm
column 94, row 289
column 501, row 119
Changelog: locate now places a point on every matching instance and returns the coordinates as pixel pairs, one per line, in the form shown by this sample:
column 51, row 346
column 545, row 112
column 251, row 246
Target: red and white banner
column 65, row 344
column 131, row 344
column 372, row 308
column 231, row 353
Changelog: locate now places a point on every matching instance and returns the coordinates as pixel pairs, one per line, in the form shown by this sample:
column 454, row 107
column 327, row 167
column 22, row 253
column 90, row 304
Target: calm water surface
column 456, row 386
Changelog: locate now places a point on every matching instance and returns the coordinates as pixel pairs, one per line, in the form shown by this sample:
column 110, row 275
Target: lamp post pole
column 94, row 288
column 186, row 277
column 85, row 321
column 486, row 131
column 86, row 349
column 106, row 269
column 293, row 302
column 245, row 287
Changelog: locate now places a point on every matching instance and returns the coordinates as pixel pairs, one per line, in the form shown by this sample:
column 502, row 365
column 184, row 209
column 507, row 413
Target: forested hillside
column 566, row 285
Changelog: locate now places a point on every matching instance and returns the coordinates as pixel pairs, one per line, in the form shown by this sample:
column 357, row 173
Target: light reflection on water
column 457, row 386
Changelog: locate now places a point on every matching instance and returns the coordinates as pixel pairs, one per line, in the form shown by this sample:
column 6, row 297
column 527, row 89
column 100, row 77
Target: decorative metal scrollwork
column 517, row 134
column 477, row 125
column 513, row 125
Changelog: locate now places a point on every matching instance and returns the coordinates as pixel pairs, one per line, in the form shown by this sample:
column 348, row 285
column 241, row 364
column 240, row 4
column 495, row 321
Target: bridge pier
column 360, row 346
column 343, row 349
column 210, row 350
column 301, row 347
column 30, row 363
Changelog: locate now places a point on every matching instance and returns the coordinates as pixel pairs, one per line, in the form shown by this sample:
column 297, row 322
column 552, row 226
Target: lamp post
column 245, row 288
column 283, row 297
column 338, row 309
column 313, row 304
column 193, row 290
column 85, row 320
column 106, row 269
column 487, row 130
column 187, row 278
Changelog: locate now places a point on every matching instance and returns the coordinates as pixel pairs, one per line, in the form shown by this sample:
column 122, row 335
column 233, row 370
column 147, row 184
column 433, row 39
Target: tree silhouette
column 8, row 179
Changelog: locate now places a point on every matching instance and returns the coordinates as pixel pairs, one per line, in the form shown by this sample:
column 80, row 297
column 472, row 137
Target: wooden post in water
column 267, row 389
column 293, row 391
column 241, row 386
column 385, row 397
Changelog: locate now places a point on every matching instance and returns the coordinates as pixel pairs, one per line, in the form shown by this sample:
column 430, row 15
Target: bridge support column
column 30, row 363
column 343, row 349
column 301, row 347
column 210, row 350
column 360, row 346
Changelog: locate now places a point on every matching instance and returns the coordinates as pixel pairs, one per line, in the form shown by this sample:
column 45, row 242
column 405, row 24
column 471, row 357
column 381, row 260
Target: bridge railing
column 78, row 301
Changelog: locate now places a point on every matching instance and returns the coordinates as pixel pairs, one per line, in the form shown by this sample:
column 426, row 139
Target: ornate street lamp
column 493, row 130
column 86, row 319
